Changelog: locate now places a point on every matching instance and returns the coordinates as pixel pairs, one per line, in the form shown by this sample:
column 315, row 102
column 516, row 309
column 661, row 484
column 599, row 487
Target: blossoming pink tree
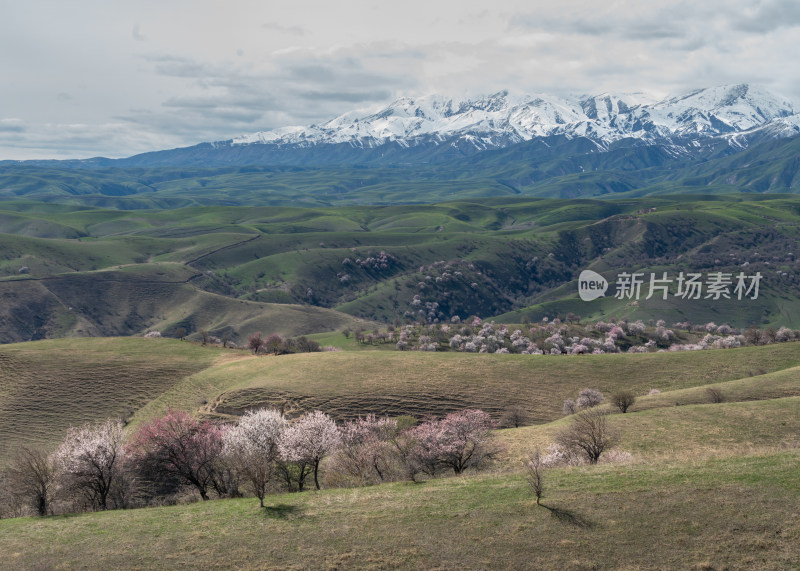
column 459, row 441
column 466, row 439
column 179, row 446
column 255, row 342
column 366, row 453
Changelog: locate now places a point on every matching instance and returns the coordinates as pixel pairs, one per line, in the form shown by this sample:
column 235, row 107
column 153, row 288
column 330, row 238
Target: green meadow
column 219, row 268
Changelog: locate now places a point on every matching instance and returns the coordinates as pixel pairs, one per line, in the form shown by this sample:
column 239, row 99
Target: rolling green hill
column 516, row 259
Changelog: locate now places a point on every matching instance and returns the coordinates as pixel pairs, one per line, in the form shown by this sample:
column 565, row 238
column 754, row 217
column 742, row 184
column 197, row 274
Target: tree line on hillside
column 570, row 337
column 556, row 337
column 273, row 344
column 176, row 457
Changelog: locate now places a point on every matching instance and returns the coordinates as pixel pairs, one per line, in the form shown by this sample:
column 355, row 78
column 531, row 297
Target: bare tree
column 514, row 417
column 31, row 475
column 255, row 342
column 275, row 344
column 754, row 336
column 180, row 333
column 534, row 469
column 714, row 395
column 589, row 434
column 623, row 400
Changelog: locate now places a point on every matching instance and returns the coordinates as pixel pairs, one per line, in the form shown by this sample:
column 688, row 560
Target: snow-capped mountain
column 701, row 124
column 502, row 119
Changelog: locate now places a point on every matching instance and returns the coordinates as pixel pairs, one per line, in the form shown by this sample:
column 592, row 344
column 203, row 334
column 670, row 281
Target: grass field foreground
column 733, row 513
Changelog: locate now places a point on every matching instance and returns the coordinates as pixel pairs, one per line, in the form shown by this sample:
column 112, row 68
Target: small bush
column 514, row 417
column 623, row 400
column 714, row 395
column 589, row 435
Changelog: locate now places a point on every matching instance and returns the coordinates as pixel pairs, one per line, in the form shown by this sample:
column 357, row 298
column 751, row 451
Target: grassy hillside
column 709, row 486
column 50, row 385
column 727, row 513
column 680, row 511
column 514, row 259
column 349, row 384
column 680, row 433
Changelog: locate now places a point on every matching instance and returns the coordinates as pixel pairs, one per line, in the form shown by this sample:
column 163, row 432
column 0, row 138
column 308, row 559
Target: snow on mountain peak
column 514, row 118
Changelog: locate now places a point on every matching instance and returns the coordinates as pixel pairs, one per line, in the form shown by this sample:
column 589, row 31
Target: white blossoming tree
column 307, row 441
column 252, row 447
column 90, row 461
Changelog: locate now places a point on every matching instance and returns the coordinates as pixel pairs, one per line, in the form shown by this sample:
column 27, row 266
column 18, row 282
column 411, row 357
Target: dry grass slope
column 349, row 384
column 47, row 386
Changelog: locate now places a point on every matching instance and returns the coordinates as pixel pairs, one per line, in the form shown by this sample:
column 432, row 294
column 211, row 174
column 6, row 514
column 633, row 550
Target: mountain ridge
column 494, row 121
column 436, row 128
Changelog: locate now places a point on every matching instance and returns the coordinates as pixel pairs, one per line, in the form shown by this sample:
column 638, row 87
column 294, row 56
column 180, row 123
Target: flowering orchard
column 571, row 338
column 177, row 456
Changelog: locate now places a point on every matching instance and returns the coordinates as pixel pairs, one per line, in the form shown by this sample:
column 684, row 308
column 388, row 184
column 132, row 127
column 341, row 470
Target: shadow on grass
column 282, row 511
column 569, row 517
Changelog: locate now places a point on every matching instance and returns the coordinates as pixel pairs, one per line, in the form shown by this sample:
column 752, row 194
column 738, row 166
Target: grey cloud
column 190, row 103
column 293, row 30
column 655, row 31
column 397, row 53
column 676, row 23
column 767, row 16
column 62, row 96
column 313, row 72
column 137, row 34
column 11, row 126
column 238, row 99
column 349, row 96
column 75, row 141
column 175, row 66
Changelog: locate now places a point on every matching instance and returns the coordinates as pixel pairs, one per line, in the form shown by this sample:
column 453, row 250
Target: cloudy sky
column 111, row 78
